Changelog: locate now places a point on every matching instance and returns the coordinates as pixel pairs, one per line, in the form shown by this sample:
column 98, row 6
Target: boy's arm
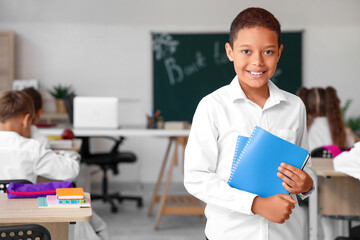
column 201, row 160
column 55, row 166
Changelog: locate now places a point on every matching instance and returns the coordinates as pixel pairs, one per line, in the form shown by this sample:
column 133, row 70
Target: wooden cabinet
column 7, row 60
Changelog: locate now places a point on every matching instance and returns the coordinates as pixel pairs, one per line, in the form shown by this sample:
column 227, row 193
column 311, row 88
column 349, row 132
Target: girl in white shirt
column 250, row 100
column 324, row 118
column 326, row 127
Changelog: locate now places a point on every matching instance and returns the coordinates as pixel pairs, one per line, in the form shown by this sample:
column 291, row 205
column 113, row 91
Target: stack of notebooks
column 65, row 198
column 256, row 161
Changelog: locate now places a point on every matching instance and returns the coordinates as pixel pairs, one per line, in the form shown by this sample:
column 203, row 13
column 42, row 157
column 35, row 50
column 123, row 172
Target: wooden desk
column 168, row 204
column 56, row 220
column 336, row 194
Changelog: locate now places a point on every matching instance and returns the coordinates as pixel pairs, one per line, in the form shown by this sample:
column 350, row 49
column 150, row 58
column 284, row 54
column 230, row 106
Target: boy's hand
column 296, row 181
column 276, row 208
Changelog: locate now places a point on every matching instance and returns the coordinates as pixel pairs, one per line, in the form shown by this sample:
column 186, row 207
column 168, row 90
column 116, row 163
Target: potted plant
column 353, row 122
column 59, row 92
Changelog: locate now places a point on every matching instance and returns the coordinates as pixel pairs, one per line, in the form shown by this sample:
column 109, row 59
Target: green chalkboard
column 187, row 67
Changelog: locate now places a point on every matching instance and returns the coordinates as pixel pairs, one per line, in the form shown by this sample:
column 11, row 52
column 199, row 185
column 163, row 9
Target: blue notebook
column 255, row 164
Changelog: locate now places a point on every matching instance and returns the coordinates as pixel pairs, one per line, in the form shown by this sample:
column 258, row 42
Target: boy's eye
column 267, row 52
column 245, row 51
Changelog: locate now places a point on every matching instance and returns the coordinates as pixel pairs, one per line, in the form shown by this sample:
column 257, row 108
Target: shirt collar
column 236, row 92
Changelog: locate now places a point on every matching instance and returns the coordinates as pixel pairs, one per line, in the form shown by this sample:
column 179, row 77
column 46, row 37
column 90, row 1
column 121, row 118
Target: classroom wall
column 103, row 48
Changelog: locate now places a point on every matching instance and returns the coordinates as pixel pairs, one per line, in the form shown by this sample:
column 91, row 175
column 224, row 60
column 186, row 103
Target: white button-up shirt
column 219, row 118
column 348, row 162
column 24, row 158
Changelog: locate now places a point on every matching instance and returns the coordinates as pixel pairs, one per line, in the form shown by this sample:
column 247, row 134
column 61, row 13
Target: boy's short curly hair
column 254, row 17
column 15, row 104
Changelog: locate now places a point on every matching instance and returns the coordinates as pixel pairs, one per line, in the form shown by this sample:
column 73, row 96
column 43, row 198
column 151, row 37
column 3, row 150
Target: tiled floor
column 133, row 223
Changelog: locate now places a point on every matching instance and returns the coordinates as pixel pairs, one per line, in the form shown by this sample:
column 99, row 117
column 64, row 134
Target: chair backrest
column 27, row 231
column 328, row 151
column 69, row 105
column 5, row 183
column 321, row 153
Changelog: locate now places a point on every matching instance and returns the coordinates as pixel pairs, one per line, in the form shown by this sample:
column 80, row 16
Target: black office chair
column 27, row 231
column 106, row 161
column 321, row 152
column 5, row 183
column 109, row 161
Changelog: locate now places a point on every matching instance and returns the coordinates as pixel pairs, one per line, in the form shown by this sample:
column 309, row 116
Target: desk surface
column 27, row 211
column 324, row 167
column 126, row 131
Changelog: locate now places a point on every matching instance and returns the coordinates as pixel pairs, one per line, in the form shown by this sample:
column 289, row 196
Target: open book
column 256, row 161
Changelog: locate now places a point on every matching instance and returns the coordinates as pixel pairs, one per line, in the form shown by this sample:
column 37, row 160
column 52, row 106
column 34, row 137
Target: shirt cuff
column 308, row 193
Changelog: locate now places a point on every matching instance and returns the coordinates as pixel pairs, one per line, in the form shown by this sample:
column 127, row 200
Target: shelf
column 54, row 117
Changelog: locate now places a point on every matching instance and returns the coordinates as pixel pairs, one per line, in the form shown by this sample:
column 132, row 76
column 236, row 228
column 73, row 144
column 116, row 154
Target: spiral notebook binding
column 237, row 159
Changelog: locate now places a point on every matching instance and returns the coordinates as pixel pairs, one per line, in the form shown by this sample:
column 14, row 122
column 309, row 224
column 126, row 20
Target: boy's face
column 255, row 54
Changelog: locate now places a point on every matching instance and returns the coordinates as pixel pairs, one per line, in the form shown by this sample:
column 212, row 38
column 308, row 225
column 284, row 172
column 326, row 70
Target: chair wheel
column 140, row 203
column 114, row 209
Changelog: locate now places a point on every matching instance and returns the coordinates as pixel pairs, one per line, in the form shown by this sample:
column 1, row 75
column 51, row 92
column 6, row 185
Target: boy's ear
column 39, row 114
column 280, row 51
column 27, row 120
column 229, row 52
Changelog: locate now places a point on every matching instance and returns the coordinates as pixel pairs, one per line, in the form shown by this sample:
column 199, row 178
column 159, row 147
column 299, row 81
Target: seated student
column 326, row 127
column 348, row 162
column 24, row 158
column 34, row 132
column 324, row 118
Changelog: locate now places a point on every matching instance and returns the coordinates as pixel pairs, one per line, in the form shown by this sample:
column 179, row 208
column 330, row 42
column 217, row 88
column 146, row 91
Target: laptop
column 95, row 112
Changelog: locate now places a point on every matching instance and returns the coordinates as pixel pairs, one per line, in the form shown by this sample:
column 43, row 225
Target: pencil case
column 27, row 190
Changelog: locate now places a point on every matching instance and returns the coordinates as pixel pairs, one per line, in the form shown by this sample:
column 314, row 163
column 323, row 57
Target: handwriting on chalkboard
column 219, row 56
column 276, row 75
column 176, row 73
column 165, row 48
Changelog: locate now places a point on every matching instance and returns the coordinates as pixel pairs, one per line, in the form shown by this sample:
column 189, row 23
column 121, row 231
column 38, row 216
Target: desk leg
column 313, row 214
column 166, row 189
column 72, row 231
column 155, row 197
column 174, row 204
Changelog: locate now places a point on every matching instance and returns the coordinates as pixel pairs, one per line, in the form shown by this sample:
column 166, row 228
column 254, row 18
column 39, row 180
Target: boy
column 34, row 132
column 250, row 100
column 24, row 158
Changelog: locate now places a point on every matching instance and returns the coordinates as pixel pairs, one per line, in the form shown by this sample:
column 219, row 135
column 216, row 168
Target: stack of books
column 70, row 195
column 256, row 161
column 65, row 197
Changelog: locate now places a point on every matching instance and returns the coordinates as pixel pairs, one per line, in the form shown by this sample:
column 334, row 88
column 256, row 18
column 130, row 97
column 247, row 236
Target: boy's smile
column 255, row 53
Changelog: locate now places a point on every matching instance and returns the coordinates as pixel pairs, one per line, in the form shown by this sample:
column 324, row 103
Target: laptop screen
column 96, row 112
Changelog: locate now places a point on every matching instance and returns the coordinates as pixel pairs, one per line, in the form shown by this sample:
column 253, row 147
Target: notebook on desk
column 96, row 112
